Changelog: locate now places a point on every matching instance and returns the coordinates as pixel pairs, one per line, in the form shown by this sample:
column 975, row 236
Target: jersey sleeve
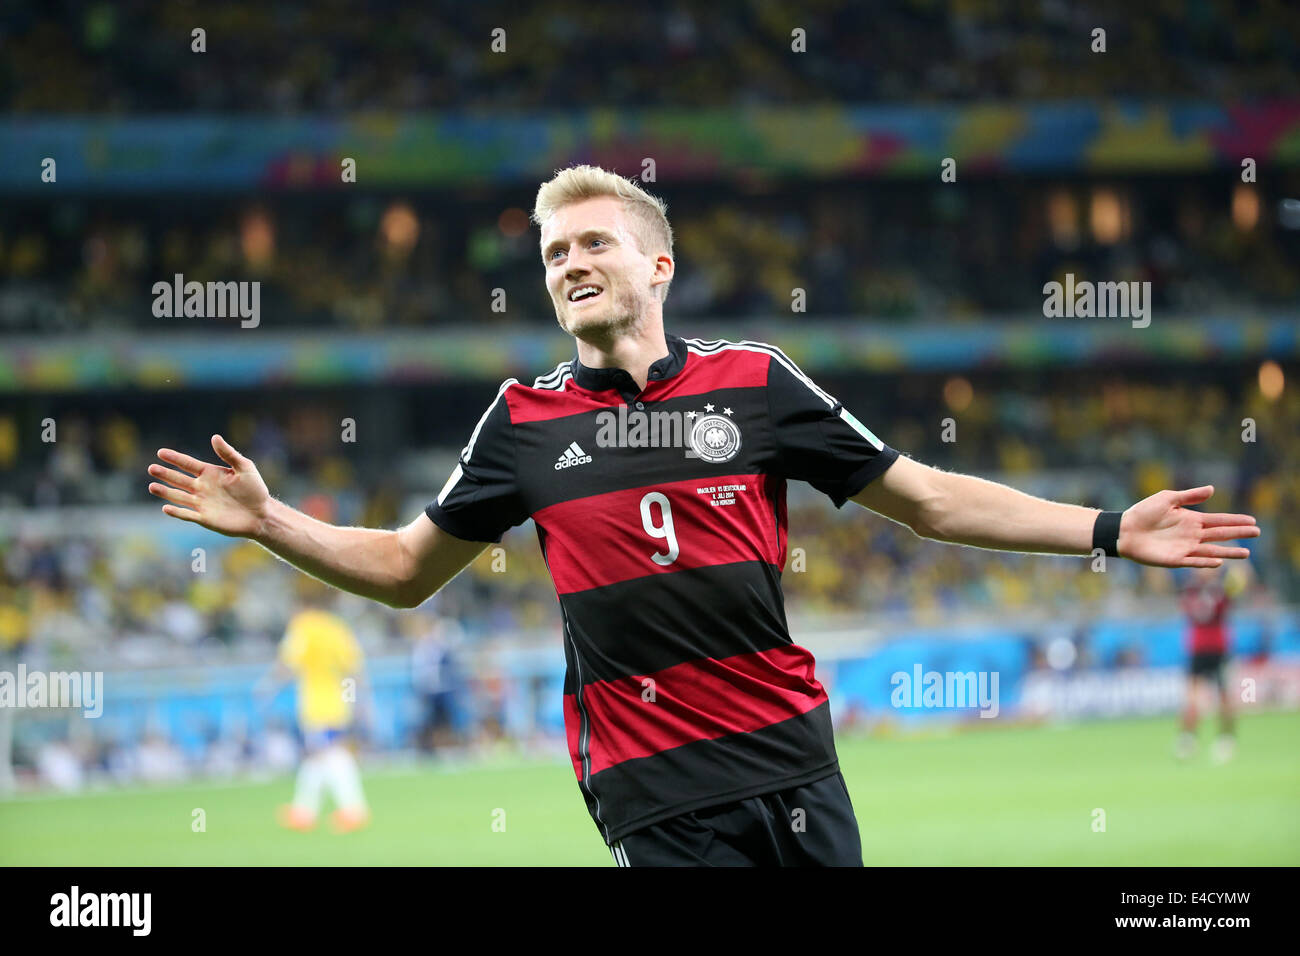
column 482, row 500
column 817, row 439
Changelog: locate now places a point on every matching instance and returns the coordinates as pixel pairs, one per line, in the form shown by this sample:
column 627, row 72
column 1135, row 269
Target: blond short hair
column 648, row 214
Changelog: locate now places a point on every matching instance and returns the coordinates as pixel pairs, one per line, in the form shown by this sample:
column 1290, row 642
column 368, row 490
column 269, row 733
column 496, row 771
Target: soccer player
column 320, row 650
column 1205, row 602
column 698, row 731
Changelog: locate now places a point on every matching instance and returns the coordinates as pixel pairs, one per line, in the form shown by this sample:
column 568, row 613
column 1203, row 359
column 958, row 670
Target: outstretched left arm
column 960, row 509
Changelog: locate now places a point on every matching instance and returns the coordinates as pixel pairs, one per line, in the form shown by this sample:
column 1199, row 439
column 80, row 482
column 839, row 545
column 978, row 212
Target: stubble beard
column 624, row 315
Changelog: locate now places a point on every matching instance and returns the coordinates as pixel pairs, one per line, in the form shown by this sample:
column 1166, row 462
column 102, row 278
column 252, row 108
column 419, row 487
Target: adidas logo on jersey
column 572, row 457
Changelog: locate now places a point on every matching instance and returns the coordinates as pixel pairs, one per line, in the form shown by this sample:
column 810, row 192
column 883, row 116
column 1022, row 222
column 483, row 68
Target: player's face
column 588, row 243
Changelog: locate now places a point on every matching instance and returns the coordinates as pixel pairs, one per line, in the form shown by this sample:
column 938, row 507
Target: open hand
column 230, row 500
column 1162, row 531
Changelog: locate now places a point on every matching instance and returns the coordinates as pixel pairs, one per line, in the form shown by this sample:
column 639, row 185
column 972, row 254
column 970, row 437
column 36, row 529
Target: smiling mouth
column 586, row 298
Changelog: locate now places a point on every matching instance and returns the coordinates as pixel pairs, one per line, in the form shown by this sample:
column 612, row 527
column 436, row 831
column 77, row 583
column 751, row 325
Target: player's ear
column 663, row 274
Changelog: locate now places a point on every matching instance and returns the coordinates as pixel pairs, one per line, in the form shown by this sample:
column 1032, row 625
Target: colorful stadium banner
column 218, row 153
column 262, row 357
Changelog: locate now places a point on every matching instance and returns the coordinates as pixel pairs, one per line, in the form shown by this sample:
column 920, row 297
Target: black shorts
column 1208, row 664
column 810, row 825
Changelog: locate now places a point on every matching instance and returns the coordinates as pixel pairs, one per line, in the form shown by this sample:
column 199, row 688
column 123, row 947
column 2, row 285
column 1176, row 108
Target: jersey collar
column 600, row 379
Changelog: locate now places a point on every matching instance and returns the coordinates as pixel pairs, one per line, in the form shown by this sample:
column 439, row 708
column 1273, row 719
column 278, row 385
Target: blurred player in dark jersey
column 1206, row 601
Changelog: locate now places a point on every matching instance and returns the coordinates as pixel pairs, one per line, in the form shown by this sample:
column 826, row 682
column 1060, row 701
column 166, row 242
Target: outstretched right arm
column 398, row 568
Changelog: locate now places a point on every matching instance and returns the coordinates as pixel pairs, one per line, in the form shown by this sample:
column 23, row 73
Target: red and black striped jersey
column 662, row 518
column 1206, row 607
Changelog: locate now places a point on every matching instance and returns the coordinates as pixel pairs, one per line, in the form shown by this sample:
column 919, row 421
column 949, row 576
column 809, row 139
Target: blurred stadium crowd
column 76, row 56
column 857, row 249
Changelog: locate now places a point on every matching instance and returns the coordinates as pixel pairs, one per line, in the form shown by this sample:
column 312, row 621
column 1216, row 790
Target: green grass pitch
column 997, row 796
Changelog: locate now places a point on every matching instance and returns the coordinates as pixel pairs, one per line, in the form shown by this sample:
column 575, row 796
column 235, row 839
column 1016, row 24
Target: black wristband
column 1105, row 533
